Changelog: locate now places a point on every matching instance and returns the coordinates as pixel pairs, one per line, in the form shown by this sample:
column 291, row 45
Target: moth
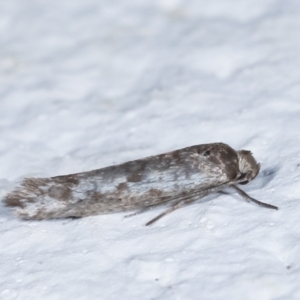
column 172, row 179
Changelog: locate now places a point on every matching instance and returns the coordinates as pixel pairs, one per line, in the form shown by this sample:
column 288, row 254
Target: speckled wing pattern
column 181, row 176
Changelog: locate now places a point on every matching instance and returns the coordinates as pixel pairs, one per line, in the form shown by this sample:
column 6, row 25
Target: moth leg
column 250, row 199
column 181, row 201
column 141, row 211
column 187, row 199
column 174, row 207
column 138, row 212
column 171, row 209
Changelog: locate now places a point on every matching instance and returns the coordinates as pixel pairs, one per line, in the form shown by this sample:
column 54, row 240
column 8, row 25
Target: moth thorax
column 247, row 165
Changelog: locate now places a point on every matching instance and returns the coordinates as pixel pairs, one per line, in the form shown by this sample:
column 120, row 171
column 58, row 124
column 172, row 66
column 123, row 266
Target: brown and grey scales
column 191, row 172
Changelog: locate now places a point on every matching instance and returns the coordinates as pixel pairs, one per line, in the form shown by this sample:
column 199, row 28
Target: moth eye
column 206, row 153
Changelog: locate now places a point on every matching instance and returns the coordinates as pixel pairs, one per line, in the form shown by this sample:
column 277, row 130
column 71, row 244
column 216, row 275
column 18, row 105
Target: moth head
column 248, row 166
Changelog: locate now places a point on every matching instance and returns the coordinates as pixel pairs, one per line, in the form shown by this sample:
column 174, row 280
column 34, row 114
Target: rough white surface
column 86, row 84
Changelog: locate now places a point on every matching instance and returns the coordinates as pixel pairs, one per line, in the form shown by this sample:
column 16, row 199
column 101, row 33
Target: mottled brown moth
column 173, row 179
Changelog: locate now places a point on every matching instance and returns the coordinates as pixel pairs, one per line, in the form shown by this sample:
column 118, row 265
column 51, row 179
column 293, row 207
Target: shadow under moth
column 172, row 179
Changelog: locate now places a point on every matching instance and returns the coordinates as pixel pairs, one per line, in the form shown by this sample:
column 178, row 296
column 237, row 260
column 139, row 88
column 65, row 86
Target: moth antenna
column 250, row 199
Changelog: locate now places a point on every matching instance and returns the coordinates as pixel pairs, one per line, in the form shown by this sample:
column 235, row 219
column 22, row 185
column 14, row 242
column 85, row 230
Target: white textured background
column 85, row 84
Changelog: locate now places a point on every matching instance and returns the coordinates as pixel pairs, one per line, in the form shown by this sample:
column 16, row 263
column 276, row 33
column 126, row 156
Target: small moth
column 173, row 179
